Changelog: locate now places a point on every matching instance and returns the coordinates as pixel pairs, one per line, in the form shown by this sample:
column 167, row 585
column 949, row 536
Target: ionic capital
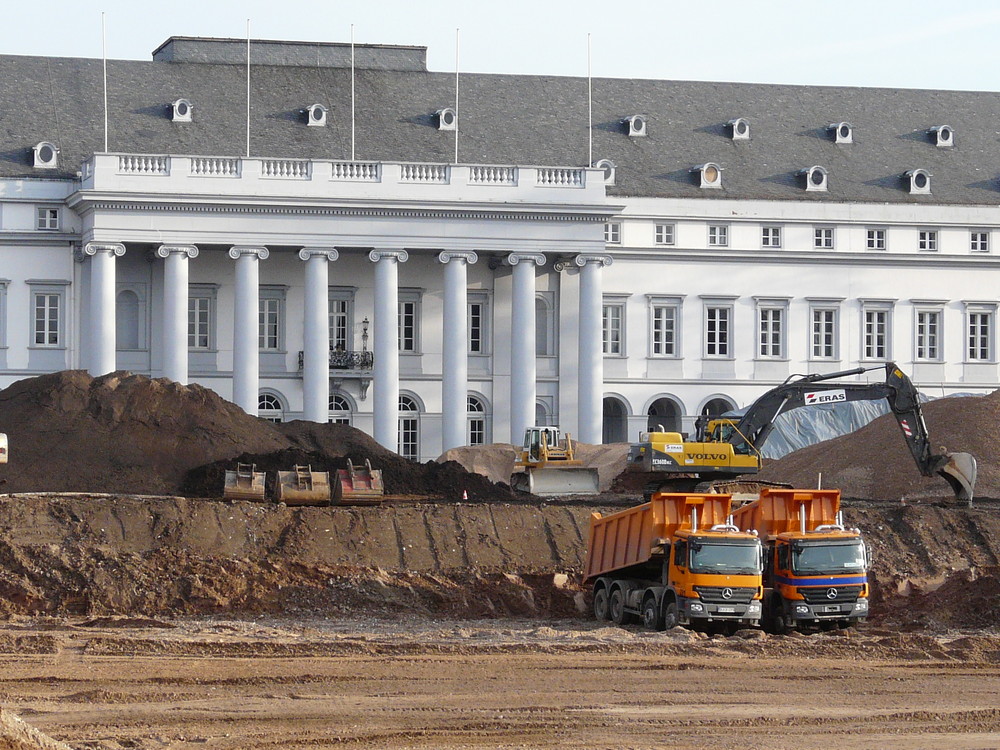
column 262, row 253
column 584, row 258
column 311, row 252
column 400, row 256
column 189, row 251
column 111, row 248
column 514, row 258
column 446, row 256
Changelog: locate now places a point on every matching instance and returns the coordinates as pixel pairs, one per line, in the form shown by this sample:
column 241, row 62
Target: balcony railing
column 357, row 361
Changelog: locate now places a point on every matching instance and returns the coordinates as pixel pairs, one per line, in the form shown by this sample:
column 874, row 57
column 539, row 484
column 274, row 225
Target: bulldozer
column 244, row 483
column 303, row 486
column 359, row 485
column 547, row 466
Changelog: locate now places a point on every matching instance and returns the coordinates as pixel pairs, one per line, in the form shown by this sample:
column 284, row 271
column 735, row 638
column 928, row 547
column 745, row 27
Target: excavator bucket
column 303, row 486
column 244, row 483
column 359, row 485
column 960, row 472
column 552, row 480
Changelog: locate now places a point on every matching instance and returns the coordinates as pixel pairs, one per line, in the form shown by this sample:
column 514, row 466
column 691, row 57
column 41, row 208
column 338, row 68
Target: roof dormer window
column 609, row 168
column 815, row 178
column 943, row 135
column 180, row 111
column 919, row 181
column 843, row 132
column 315, row 116
column 710, row 175
column 447, row 119
column 739, row 129
column 45, row 156
column 636, row 126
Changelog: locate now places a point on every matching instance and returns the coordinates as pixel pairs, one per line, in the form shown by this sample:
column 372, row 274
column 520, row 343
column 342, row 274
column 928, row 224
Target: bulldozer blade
column 960, row 473
column 551, row 481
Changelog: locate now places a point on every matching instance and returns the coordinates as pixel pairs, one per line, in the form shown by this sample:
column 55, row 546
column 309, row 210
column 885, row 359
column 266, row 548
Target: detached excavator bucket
column 359, row 485
column 244, row 483
column 303, row 486
column 960, row 472
column 552, row 480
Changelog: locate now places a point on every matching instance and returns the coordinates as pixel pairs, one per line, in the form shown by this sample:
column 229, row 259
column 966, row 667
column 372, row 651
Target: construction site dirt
column 133, row 616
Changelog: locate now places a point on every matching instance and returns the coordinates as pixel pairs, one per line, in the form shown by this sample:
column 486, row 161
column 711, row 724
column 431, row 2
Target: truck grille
column 715, row 594
column 821, row 594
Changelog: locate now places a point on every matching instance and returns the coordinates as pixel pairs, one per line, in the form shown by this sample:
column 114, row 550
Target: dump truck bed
column 777, row 510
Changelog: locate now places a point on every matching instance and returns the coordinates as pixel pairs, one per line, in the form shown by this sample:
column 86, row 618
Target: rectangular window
column 770, row 237
column 927, row 240
column 823, row 238
column 614, row 315
column 199, row 322
column 928, row 334
column 875, row 239
column 664, row 330
column 664, row 234
column 824, row 333
column 47, row 219
column 476, row 327
column 409, row 440
column 718, row 235
column 770, row 331
column 47, row 319
column 979, row 242
column 339, row 324
column 876, row 334
column 980, row 336
column 269, row 324
column 613, row 233
column 717, row 321
column 407, row 326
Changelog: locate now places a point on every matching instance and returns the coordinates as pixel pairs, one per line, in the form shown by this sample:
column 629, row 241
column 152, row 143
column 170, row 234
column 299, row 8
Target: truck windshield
column 716, row 557
column 812, row 559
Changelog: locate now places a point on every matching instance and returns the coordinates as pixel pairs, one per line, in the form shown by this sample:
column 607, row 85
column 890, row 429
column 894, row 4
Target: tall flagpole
column 352, row 94
column 248, row 88
column 104, row 57
column 458, row 117
column 590, row 110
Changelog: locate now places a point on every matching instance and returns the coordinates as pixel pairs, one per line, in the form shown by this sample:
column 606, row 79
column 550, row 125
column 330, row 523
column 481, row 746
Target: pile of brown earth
column 875, row 464
column 129, row 434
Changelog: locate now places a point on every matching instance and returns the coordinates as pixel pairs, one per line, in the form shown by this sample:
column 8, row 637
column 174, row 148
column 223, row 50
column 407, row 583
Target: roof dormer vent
column 943, row 135
column 739, row 129
column 609, row 168
column 447, row 119
column 919, row 180
column 636, row 125
column 815, row 178
column 45, row 155
column 710, row 175
column 180, row 111
column 843, row 132
column 315, row 116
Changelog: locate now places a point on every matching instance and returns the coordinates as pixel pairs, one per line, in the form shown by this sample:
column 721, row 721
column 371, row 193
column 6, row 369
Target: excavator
column 724, row 449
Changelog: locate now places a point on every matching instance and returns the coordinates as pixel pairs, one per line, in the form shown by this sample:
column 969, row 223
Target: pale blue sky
column 913, row 44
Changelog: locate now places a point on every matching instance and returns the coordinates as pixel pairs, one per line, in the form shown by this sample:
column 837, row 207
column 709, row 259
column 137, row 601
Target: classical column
column 246, row 347
column 175, row 309
column 455, row 360
column 522, row 343
column 591, row 367
column 102, row 305
column 316, row 333
column 386, row 346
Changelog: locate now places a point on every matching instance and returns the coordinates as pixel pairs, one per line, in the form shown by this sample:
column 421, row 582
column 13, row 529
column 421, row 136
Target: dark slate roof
column 511, row 119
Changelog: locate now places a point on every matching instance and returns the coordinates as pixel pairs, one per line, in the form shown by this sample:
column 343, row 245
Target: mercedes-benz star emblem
column 727, row 593
column 831, row 593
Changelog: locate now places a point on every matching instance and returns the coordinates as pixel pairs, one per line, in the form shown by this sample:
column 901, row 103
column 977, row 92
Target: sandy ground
column 107, row 684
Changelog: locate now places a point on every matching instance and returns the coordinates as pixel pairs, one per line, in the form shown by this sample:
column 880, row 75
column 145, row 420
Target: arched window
column 615, row 421
column 127, row 319
column 544, row 328
column 269, row 407
column 541, row 415
column 477, row 421
column 663, row 415
column 340, row 409
column 409, row 428
column 717, row 407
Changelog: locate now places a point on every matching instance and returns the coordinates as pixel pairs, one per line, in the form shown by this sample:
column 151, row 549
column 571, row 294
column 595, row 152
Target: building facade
column 320, row 242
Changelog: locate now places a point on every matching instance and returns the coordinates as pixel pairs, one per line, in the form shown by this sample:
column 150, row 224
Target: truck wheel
column 670, row 618
column 618, row 614
column 601, row 611
column 651, row 619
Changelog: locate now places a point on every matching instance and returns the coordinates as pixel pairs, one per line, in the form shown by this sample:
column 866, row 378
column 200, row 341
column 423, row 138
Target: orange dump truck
column 815, row 571
column 675, row 560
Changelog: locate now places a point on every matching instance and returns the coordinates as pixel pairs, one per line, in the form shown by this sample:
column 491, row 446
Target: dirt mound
column 874, row 462
column 18, row 735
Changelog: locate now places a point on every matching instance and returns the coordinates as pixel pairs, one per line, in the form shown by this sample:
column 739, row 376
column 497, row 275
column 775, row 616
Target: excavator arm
column 754, row 427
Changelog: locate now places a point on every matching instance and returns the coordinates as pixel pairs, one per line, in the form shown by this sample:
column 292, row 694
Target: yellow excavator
column 724, row 449
column 547, row 465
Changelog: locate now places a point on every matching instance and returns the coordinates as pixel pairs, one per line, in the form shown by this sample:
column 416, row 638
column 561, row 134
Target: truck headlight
column 801, row 609
column 697, row 607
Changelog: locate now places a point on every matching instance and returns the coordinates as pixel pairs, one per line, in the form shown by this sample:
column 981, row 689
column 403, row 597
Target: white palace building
column 316, row 241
